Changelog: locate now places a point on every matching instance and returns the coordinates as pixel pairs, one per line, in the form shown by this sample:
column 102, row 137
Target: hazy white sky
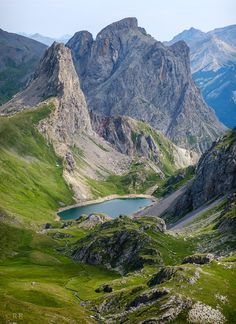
column 161, row 18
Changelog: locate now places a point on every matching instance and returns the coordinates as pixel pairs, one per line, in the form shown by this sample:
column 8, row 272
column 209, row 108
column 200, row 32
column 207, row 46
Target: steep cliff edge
column 215, row 176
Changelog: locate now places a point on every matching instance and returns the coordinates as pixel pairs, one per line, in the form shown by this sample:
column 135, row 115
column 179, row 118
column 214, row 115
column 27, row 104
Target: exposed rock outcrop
column 120, row 244
column 148, row 297
column 93, row 220
column 104, row 288
column 136, row 138
column 178, row 273
column 215, row 176
column 202, row 313
column 127, row 72
column 199, row 258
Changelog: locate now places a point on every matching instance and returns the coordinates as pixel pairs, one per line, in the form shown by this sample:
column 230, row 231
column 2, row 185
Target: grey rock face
column 127, row 72
column 139, row 139
column 120, row 251
column 56, row 77
column 148, row 297
column 165, row 274
column 123, row 133
column 118, row 245
column 215, row 175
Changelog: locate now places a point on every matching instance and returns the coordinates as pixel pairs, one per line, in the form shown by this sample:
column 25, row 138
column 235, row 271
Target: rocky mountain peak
column 182, row 50
column 127, row 72
column 121, row 25
column 81, row 42
column 56, row 77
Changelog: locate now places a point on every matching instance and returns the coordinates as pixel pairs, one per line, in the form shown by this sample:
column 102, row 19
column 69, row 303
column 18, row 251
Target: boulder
column 199, row 258
column 104, row 288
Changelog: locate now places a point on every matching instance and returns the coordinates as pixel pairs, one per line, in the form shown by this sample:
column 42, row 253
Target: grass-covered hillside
column 122, row 270
column 31, row 186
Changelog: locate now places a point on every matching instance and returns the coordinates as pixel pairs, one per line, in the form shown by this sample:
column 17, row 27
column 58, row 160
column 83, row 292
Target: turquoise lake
column 112, row 208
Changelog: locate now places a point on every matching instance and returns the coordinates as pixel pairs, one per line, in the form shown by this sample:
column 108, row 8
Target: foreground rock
column 121, row 244
column 104, row 288
column 148, row 297
column 199, row 258
column 93, row 220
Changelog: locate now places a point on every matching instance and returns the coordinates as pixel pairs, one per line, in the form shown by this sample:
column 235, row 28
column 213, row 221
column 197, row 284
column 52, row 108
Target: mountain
column 136, row 138
column 55, row 77
column 54, row 152
column 213, row 64
column 215, row 176
column 227, row 34
column 88, row 154
column 47, row 40
column 19, row 57
column 209, row 52
column 127, row 72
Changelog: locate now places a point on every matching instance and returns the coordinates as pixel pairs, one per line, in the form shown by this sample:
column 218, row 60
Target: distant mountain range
column 46, row 39
column 19, row 57
column 213, row 65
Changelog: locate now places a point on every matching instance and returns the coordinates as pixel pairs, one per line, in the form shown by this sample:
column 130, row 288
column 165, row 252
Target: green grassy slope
column 35, row 280
column 31, row 183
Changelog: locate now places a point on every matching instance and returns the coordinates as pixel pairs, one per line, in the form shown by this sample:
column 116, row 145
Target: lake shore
column 107, row 198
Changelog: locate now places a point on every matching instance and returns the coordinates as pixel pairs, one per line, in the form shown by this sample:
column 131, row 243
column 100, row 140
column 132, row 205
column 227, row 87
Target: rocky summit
column 55, row 77
column 125, row 71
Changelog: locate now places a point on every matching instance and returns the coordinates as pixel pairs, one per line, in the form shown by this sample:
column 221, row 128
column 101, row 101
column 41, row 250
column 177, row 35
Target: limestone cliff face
column 138, row 139
column 215, row 176
column 56, row 77
column 127, row 72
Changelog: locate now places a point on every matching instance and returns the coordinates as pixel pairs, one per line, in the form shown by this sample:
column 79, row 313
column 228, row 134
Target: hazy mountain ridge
column 19, row 56
column 213, row 64
column 46, row 39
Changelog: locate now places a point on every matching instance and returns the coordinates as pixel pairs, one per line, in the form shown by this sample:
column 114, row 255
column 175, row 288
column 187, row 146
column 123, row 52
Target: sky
column 163, row 19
